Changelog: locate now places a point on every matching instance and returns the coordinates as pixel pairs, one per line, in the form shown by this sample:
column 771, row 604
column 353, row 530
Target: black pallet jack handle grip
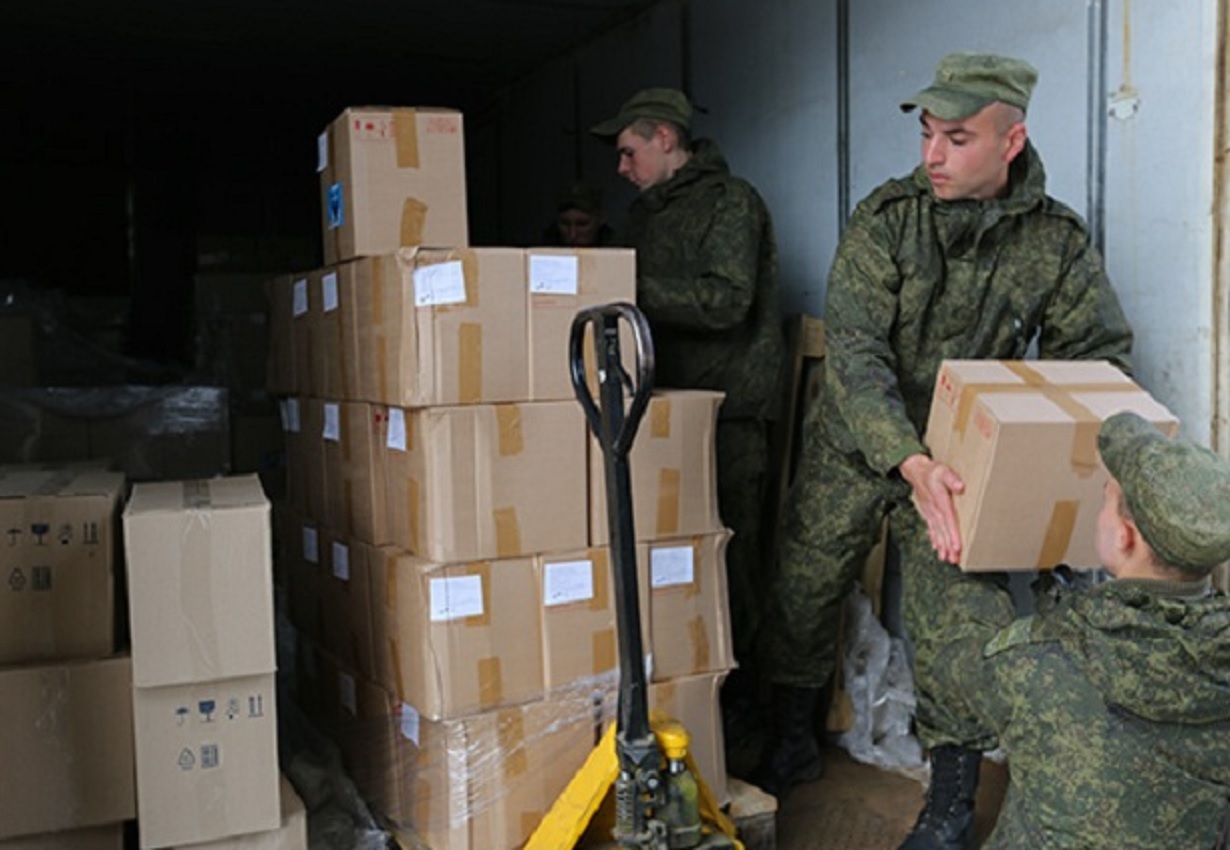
column 615, row 428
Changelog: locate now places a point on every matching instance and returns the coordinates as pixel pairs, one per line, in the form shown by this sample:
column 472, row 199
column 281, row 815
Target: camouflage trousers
column 742, row 479
column 834, row 514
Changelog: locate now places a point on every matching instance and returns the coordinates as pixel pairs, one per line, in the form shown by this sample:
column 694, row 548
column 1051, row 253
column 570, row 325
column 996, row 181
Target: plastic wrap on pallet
column 147, row 432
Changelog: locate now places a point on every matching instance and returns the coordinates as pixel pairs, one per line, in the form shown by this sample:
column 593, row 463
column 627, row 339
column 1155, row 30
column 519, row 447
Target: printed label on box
column 299, row 298
column 397, row 429
column 456, row 598
column 332, row 430
column 568, row 581
column 289, row 408
column 337, row 216
column 346, row 693
column 311, row 545
column 410, row 723
column 328, row 291
column 341, row 561
column 553, row 275
column 671, row 566
column 322, row 151
column 439, row 284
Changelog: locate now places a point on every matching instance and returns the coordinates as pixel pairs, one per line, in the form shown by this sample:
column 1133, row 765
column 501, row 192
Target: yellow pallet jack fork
column 661, row 800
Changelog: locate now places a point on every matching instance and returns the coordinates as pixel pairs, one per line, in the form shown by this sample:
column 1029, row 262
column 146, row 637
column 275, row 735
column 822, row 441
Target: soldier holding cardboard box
column 966, row 258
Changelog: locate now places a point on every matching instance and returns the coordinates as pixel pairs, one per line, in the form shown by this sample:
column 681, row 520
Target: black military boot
column 947, row 820
column 792, row 754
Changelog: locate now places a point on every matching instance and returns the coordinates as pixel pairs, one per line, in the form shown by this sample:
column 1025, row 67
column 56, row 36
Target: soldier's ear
column 1016, row 136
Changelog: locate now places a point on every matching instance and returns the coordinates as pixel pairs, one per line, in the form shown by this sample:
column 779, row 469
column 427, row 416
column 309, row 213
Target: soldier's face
column 643, row 161
column 578, row 228
column 969, row 158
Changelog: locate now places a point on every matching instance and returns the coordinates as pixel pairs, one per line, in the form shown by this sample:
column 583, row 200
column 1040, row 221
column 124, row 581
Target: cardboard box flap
column 243, row 491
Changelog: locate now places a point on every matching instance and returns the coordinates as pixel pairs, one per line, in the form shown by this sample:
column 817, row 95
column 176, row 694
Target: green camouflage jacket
column 1113, row 704
column 917, row 280
column 707, row 281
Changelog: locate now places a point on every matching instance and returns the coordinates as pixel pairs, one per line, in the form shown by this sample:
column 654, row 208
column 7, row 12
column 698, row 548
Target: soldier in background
column 967, row 258
column 580, row 220
column 706, row 269
column 1113, row 701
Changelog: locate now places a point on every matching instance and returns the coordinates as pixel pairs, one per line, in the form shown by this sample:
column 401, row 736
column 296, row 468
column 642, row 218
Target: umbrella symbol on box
column 181, row 715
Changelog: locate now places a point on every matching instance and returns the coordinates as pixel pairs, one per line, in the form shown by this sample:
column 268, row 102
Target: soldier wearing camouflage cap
column 966, row 258
column 706, row 278
column 1113, row 700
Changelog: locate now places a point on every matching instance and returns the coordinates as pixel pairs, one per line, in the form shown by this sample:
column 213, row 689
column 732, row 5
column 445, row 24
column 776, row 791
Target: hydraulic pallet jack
column 661, row 801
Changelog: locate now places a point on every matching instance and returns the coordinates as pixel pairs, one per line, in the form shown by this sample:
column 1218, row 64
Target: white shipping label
column 397, row 429
column 290, row 415
column 441, row 283
column 671, row 566
column 299, row 298
column 322, row 151
column 346, row 693
column 553, row 275
column 328, row 292
column 410, row 723
column 456, row 598
column 333, row 422
column 311, row 545
column 341, row 561
column 568, row 581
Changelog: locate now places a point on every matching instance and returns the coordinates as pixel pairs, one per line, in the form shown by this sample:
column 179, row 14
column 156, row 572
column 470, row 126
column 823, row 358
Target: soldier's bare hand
column 934, row 485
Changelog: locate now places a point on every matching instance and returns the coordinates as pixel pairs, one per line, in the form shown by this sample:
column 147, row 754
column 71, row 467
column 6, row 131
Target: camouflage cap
column 1178, row 492
column 581, row 196
column 655, row 104
column 966, row 83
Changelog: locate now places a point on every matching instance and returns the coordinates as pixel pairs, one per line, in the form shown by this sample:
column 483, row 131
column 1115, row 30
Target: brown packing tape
column 378, row 270
column 469, row 362
column 507, row 532
column 604, row 650
column 694, row 588
column 482, row 569
column 660, row 418
column 512, row 436
column 601, row 580
column 1058, row 534
column 413, row 222
column 510, row 734
column 667, row 522
column 406, row 133
column 490, row 682
column 699, row 638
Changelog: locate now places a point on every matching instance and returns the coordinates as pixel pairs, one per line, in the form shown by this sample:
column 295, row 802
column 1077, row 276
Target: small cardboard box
column 486, row 481
column 562, row 282
column 673, row 467
column 345, row 603
column 391, row 178
column 207, row 760
column 109, row 837
column 579, row 618
column 291, row 835
column 66, row 744
column 1023, row 437
column 200, row 582
column 58, row 596
column 457, row 638
column 484, row 782
column 688, row 606
column 440, row 326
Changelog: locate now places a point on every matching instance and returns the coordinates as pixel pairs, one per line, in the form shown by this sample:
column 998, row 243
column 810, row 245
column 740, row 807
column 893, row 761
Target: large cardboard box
column 442, row 326
column 66, row 746
column 345, row 602
column 291, row 835
column 207, row 760
column 109, row 837
column 577, row 596
column 486, row 481
column 335, row 354
column 457, row 638
column 484, row 782
column 391, row 178
column 562, row 282
column 673, row 467
column 354, row 474
column 60, row 529
column 1023, row 437
column 200, row 582
column 688, row 606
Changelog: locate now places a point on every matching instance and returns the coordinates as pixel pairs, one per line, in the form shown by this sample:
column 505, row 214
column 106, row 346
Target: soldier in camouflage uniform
column 968, row 257
column 1113, row 701
column 706, row 278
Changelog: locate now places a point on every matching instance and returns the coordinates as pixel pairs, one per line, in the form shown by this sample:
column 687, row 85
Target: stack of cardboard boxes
column 66, row 740
column 203, row 665
column 444, row 546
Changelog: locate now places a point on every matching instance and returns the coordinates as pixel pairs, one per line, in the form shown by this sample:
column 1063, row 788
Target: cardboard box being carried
column 486, row 481
column 66, row 746
column 391, row 178
column 58, row 598
column 673, row 466
column 1023, row 437
column 440, row 326
column 200, row 581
